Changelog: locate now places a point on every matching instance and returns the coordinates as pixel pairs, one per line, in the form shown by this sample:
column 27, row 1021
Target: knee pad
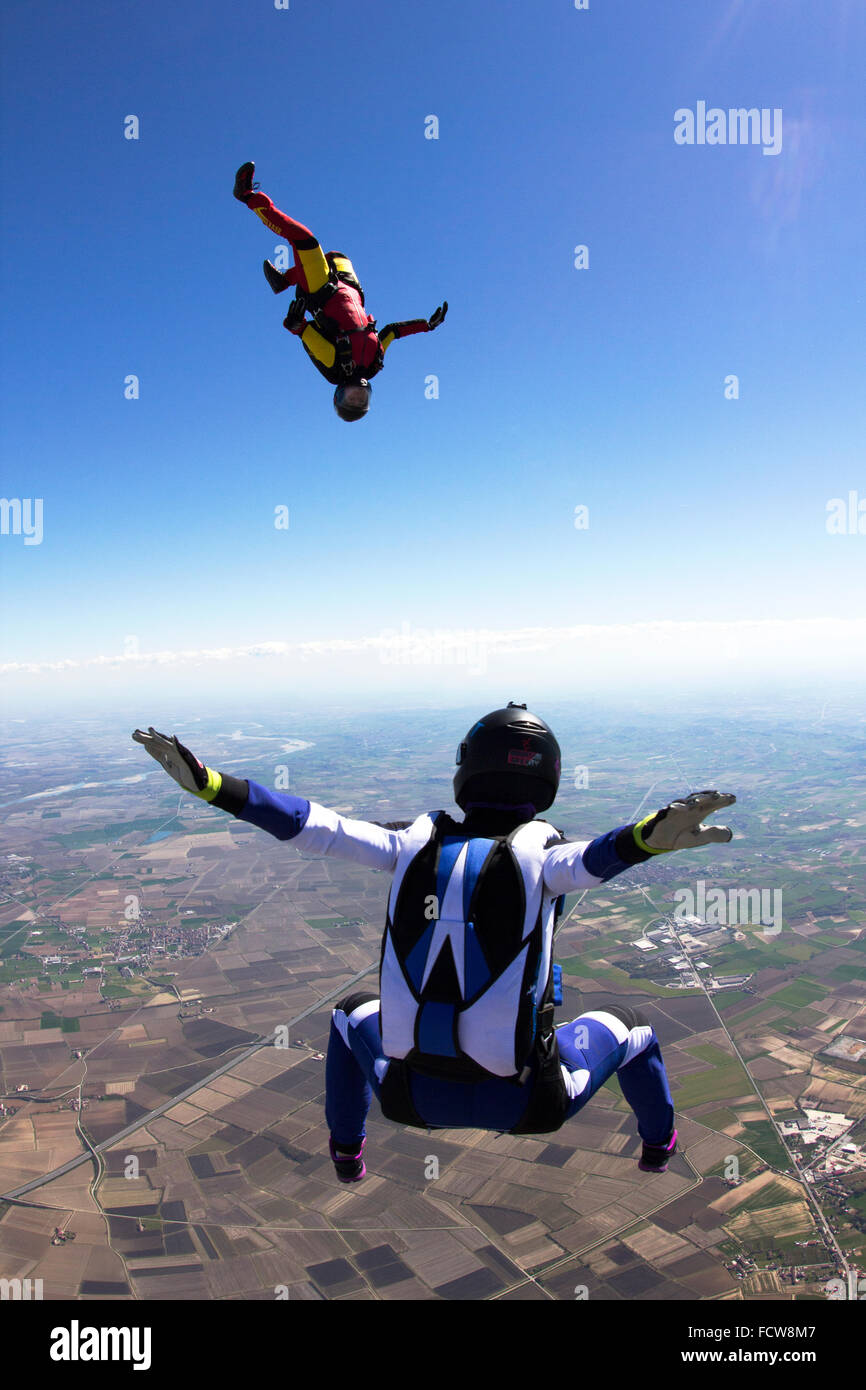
column 632, row 1018
column 354, row 1001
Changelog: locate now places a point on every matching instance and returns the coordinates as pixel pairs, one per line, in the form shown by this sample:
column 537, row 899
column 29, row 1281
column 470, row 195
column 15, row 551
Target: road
column 90, row 1154
column 807, row 1188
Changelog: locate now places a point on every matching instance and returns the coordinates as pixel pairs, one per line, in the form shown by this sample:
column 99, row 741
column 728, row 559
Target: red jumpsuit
column 342, row 315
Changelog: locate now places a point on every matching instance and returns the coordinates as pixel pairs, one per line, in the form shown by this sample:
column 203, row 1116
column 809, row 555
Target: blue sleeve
column 283, row 816
column 611, row 854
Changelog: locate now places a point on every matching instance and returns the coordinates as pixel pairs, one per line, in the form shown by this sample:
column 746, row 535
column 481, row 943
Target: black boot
column 655, row 1157
column 277, row 279
column 244, row 185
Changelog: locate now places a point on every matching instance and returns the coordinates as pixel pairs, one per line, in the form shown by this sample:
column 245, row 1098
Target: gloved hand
column 437, row 316
column 180, row 763
column 295, row 320
column 678, row 826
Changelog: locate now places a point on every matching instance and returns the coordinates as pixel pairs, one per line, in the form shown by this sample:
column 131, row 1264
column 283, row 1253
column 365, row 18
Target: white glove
column 678, row 826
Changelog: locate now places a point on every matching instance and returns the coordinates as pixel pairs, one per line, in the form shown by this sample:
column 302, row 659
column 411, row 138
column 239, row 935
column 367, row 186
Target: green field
column 708, row 1052
column 52, row 1020
column 798, row 993
column 749, row 1013
column 16, row 970
column 84, row 839
column 722, row 1082
column 717, row 1119
column 802, row 951
column 775, row 1194
column 730, row 1000
column 807, row 1018
column 12, row 937
column 761, row 1136
column 850, row 972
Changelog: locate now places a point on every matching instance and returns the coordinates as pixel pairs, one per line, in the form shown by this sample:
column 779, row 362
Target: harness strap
column 546, row 1110
column 343, row 359
column 314, row 299
column 395, row 1097
column 549, row 1100
column 340, row 338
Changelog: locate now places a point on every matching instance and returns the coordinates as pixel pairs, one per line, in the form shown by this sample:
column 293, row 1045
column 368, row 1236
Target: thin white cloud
column 410, row 644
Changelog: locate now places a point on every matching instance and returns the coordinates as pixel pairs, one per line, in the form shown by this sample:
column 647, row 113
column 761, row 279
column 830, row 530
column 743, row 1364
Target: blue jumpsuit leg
column 592, row 1047
column 596, row 1045
column 351, row 1078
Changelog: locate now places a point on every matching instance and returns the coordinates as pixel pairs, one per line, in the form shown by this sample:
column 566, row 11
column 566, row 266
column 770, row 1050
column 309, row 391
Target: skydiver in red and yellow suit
column 340, row 338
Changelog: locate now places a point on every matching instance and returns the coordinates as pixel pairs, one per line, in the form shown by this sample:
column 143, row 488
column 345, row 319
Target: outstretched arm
column 314, row 828
column 585, row 864
column 391, row 331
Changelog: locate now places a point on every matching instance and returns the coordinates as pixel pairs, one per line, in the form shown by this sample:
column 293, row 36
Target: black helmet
column 357, row 409
column 508, row 758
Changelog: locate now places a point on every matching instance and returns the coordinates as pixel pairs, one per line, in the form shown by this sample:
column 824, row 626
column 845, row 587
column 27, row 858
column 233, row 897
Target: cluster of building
column 681, row 947
column 801, row 1274
column 140, row 947
column 741, row 1266
column 814, row 1125
column 194, row 1008
column 143, row 944
column 845, row 1159
column 14, row 866
column 837, row 1190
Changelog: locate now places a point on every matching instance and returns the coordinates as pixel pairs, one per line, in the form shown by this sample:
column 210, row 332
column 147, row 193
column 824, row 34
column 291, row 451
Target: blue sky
column 558, row 387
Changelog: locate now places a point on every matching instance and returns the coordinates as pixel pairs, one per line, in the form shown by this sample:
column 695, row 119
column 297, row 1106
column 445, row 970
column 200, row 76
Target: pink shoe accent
column 350, row 1167
column 654, row 1157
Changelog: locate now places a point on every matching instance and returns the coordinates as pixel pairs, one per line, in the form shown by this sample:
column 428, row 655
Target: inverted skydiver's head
column 352, row 401
column 510, row 759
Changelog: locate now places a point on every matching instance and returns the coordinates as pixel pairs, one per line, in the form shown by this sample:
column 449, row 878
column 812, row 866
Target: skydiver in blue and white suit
column 461, row 1032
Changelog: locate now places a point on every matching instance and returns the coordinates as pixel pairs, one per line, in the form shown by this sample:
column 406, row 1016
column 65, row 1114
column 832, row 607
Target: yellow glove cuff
column 639, row 840
column 214, row 782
